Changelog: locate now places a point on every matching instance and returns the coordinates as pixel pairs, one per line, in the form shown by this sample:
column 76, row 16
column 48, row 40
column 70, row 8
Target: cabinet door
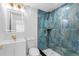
column 2, row 51
column 20, row 49
column 7, row 50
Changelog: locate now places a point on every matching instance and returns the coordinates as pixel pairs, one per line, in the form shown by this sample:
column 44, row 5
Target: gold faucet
column 14, row 37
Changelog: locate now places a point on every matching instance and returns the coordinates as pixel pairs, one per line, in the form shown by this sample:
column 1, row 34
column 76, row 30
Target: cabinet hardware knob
column 2, row 46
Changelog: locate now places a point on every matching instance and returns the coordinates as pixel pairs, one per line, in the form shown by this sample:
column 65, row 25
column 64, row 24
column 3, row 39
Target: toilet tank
column 31, row 43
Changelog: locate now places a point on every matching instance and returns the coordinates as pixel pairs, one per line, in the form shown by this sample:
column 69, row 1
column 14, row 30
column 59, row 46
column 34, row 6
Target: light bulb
column 14, row 6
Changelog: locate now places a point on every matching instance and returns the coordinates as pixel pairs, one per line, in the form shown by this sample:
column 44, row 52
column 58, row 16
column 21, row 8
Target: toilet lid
column 34, row 52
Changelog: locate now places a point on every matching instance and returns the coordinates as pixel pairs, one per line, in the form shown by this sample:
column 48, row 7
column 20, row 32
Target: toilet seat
column 34, row 52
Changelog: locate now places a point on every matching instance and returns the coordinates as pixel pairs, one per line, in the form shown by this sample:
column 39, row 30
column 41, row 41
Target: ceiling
column 45, row 6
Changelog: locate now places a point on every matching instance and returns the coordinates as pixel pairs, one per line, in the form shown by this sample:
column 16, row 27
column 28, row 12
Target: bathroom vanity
column 11, row 42
column 11, row 48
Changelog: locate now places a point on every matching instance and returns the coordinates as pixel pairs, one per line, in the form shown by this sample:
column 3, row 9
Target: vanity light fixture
column 14, row 6
column 11, row 4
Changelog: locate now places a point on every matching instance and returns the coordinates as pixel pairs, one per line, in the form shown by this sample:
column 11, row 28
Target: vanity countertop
column 11, row 41
column 6, row 42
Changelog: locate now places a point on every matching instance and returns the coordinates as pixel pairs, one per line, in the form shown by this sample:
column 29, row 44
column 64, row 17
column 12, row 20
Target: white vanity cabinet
column 7, row 50
column 20, row 48
column 17, row 48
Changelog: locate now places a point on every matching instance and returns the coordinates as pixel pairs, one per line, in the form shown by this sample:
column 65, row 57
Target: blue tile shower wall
column 65, row 31
column 42, row 23
column 64, row 36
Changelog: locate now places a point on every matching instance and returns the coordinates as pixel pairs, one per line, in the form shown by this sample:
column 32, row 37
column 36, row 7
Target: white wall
column 30, row 21
column 3, row 34
column 31, row 25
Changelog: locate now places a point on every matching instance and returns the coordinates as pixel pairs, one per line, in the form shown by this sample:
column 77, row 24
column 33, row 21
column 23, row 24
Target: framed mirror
column 15, row 22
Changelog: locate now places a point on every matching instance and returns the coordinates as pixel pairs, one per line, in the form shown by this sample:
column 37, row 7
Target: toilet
column 34, row 52
column 32, row 48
